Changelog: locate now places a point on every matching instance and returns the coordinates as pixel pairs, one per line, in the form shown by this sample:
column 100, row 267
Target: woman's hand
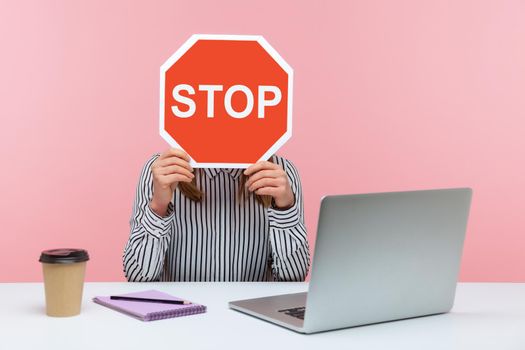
column 267, row 178
column 168, row 170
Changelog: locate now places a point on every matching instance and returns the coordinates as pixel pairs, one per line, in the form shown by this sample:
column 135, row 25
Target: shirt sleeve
column 150, row 234
column 290, row 255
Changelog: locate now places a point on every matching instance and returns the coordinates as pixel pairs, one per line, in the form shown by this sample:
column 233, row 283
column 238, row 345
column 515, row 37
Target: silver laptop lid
column 386, row 256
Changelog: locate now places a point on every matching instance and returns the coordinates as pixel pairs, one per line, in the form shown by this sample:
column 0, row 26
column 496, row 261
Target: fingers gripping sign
column 170, row 168
column 267, row 178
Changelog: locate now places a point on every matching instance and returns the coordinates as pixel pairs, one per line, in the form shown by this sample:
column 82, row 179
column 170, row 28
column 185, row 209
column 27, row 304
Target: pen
column 150, row 300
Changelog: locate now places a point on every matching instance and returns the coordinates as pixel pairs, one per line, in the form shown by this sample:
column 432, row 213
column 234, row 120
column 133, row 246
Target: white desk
column 485, row 316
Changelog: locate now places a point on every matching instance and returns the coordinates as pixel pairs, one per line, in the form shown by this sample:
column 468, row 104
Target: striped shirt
column 220, row 238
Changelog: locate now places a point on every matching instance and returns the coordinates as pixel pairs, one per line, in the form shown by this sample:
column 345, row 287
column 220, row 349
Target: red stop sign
column 226, row 100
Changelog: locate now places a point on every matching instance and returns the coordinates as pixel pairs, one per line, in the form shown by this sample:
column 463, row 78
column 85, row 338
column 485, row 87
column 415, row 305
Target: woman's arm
column 150, row 233
column 152, row 219
column 288, row 238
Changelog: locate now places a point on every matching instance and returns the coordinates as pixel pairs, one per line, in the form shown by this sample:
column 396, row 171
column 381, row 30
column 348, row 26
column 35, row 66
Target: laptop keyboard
column 297, row 312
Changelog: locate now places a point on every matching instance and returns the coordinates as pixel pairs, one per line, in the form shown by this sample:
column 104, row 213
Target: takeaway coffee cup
column 63, row 280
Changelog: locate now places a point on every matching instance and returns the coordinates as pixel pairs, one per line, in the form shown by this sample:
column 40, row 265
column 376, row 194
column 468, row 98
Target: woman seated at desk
column 212, row 224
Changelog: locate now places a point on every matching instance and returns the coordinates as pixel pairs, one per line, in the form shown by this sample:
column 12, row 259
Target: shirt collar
column 234, row 172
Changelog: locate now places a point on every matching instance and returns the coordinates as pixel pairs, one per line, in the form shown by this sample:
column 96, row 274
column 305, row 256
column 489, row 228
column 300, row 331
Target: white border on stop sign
column 271, row 51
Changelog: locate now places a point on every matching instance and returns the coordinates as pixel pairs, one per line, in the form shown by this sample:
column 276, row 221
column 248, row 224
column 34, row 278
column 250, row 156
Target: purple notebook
column 147, row 311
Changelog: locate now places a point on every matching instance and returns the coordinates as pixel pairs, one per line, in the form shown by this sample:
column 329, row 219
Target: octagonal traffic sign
column 226, row 100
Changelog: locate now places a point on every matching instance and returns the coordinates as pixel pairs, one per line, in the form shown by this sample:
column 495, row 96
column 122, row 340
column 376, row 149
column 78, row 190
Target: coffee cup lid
column 63, row 256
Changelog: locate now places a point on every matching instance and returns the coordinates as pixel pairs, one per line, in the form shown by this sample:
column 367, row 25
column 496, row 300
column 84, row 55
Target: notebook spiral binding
column 177, row 313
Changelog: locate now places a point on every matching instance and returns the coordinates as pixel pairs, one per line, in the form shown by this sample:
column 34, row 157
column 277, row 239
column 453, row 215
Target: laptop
column 378, row 257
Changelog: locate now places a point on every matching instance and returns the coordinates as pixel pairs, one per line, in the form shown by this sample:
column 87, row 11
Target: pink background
column 389, row 95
